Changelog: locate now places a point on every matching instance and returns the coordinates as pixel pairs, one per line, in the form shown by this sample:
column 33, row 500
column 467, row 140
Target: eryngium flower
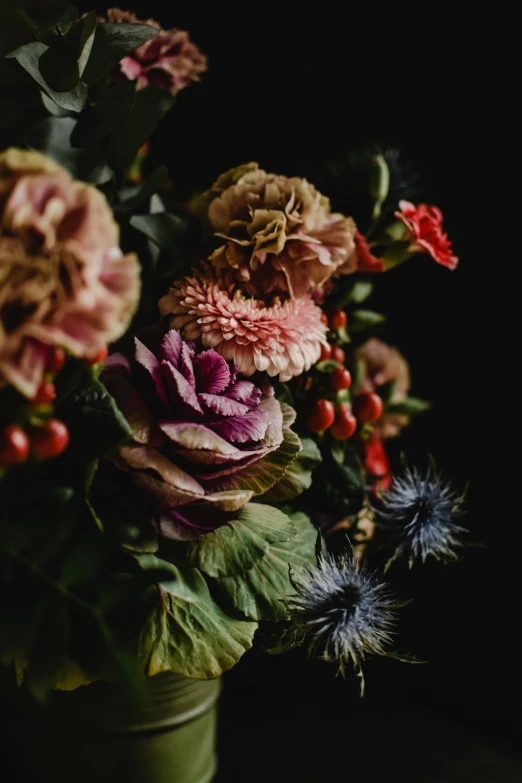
column 63, row 278
column 284, row 338
column 200, row 433
column 421, row 509
column 277, row 233
column 170, row 60
column 343, row 611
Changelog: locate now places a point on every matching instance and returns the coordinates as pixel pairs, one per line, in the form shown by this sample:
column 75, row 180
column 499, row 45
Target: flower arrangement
column 196, row 394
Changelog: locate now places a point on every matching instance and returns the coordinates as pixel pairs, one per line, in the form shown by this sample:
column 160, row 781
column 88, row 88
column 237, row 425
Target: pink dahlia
column 63, row 278
column 424, row 224
column 169, row 60
column 282, row 339
column 201, row 433
column 277, row 233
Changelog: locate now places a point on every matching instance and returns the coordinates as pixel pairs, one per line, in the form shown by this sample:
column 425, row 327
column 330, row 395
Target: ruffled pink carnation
column 382, row 365
column 277, row 233
column 170, row 60
column 283, row 339
column 63, row 278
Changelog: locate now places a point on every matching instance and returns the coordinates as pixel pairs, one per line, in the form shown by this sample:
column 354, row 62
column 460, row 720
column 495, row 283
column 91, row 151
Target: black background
column 288, row 86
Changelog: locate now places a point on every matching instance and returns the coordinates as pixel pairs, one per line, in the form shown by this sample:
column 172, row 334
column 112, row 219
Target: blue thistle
column 421, row 508
column 342, row 610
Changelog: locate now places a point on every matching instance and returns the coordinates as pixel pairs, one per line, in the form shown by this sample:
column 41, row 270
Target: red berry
column 99, row 356
column 46, row 393
column 14, row 446
column 337, row 319
column 326, row 352
column 49, row 440
column 340, row 378
column 55, row 360
column 338, row 354
column 368, row 406
column 320, row 416
column 345, row 423
column 324, row 319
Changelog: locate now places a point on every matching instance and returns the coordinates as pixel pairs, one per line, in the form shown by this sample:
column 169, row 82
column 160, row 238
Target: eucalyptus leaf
column 98, row 121
column 187, row 633
column 235, row 546
column 53, row 18
column 261, row 592
column 162, row 228
column 360, row 320
column 28, row 56
column 135, row 197
column 112, row 42
column 149, row 108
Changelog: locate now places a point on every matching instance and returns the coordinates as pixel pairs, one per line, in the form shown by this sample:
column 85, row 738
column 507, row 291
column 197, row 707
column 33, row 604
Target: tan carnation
column 63, row 278
column 277, row 233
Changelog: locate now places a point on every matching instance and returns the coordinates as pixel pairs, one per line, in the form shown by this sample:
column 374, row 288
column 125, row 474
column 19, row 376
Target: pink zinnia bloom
column 424, row 224
column 169, row 60
column 282, row 339
column 63, row 278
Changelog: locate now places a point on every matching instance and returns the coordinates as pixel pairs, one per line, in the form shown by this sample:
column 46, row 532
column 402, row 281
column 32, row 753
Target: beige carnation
column 277, row 233
column 63, row 278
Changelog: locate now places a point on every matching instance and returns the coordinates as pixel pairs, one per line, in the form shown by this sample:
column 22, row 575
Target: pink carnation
column 424, row 224
column 169, row 60
column 283, row 339
column 277, row 233
column 63, row 279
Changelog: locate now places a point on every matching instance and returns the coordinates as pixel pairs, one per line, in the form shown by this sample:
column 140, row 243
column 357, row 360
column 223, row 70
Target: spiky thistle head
column 421, row 509
column 342, row 610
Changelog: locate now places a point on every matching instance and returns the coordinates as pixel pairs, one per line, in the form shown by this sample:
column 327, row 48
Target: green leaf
column 328, row 365
column 361, row 291
column 260, row 593
column 52, row 136
column 28, row 56
column 94, row 420
column 298, row 476
column 242, row 541
column 187, row 633
column 149, row 108
column 64, row 61
column 113, row 107
column 411, row 406
column 163, row 228
column 52, row 19
column 361, row 320
column 135, row 197
column 112, row 42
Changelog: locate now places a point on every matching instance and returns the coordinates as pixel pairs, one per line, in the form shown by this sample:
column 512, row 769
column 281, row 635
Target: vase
column 96, row 733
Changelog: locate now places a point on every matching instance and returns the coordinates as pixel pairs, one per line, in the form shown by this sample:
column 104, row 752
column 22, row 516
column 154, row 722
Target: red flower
column 366, row 262
column 424, row 224
column 376, row 463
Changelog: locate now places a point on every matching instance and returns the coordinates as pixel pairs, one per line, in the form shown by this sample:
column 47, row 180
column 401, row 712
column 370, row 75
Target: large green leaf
column 235, row 546
column 260, row 593
column 162, row 228
column 94, row 420
column 298, row 475
column 112, row 42
column 113, row 107
column 187, row 632
column 64, row 61
column 28, row 56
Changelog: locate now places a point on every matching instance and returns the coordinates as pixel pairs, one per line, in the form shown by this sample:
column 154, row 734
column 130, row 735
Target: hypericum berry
column 324, row 319
column 45, row 394
column 320, row 416
column 338, row 354
column 99, row 356
column 326, row 352
column 345, row 422
column 337, row 319
column 368, row 406
column 340, row 378
column 50, row 439
column 55, row 360
column 14, row 446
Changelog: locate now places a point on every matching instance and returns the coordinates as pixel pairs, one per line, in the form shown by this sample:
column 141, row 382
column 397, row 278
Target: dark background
column 289, row 87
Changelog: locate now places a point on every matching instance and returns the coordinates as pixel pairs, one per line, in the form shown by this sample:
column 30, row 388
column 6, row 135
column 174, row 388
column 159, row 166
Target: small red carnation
column 366, row 262
column 424, row 224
